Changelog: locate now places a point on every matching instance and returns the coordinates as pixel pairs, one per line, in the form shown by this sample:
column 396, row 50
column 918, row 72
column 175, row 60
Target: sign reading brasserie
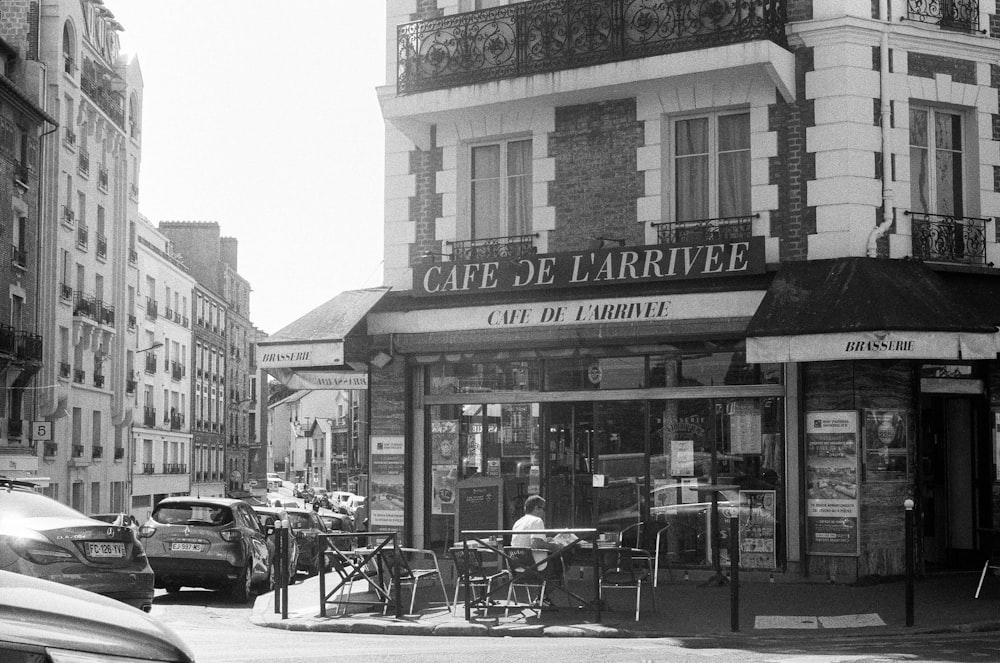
column 583, row 268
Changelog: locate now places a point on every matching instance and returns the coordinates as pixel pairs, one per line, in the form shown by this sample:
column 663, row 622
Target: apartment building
column 669, row 264
column 208, row 409
column 162, row 437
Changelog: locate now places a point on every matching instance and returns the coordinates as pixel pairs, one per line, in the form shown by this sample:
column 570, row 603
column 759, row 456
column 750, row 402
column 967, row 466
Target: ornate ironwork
column 109, row 102
column 942, row 238
column 723, row 229
column 552, row 35
column 494, row 248
column 29, row 346
column 8, row 339
column 957, row 14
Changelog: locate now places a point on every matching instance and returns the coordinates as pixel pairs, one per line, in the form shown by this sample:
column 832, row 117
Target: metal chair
column 524, row 573
column 345, row 564
column 412, row 566
column 470, row 561
column 656, row 555
column 992, row 556
column 621, row 570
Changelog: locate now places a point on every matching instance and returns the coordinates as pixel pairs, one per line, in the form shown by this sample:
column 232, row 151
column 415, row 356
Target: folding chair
column 519, row 565
column 412, row 566
column 620, row 570
column 480, row 576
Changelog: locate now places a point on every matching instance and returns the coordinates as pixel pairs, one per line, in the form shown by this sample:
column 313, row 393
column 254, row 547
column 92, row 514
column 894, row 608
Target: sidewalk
column 786, row 608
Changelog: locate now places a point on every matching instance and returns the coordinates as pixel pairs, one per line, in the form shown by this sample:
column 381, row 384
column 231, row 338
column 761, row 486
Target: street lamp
column 154, row 346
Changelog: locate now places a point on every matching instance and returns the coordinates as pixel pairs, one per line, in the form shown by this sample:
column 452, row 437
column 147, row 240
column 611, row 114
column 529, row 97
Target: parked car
column 118, row 518
column 274, row 481
column 48, row 622
column 268, row 517
column 215, row 543
column 307, row 526
column 43, row 538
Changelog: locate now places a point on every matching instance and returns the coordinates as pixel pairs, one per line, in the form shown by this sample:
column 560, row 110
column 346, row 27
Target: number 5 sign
column 41, row 431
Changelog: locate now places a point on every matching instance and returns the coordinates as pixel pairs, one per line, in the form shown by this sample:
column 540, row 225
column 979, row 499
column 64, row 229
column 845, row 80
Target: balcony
column 133, row 192
column 102, row 246
column 130, row 385
column 152, row 309
column 106, row 314
column 98, row 381
column 18, row 257
column 79, row 376
column 69, row 64
column 8, row 340
column 492, row 248
column 29, row 346
column 66, row 291
column 69, row 138
column 133, row 256
column 131, row 321
column 119, row 453
column 554, row 35
column 950, row 239
column 176, row 371
column 64, row 370
column 83, row 162
column 151, row 363
column 168, row 313
column 68, row 216
column 77, row 451
column 149, row 417
column 85, row 305
column 950, row 14
column 82, row 236
column 148, row 468
column 725, row 229
column 176, row 421
column 175, row 468
column 102, row 178
column 110, row 103
column 97, row 451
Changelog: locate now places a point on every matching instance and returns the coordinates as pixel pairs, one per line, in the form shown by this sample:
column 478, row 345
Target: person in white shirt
column 533, row 518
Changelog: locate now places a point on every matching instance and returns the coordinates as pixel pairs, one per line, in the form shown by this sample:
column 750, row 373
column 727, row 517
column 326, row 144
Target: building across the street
column 668, row 264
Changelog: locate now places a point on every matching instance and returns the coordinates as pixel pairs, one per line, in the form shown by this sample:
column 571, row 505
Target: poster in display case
column 832, row 483
column 887, row 442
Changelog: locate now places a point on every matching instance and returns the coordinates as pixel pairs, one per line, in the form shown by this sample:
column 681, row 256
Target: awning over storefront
column 326, row 348
column 865, row 308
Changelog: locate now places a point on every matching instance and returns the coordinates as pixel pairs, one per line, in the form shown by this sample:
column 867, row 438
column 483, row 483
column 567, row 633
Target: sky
column 263, row 117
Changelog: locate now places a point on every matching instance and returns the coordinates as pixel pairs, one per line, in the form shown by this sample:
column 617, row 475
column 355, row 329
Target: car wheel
column 172, row 588
column 242, row 589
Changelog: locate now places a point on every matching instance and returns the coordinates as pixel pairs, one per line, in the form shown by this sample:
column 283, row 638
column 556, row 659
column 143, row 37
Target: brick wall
column 793, row 167
column 200, row 244
column 425, row 206
column 926, row 66
column 17, row 20
column 596, row 184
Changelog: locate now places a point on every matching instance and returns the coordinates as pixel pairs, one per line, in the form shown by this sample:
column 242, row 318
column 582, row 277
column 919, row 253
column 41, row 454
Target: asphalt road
column 220, row 632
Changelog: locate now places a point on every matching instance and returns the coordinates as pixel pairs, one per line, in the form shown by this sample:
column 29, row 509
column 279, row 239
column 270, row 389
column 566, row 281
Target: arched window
column 69, row 48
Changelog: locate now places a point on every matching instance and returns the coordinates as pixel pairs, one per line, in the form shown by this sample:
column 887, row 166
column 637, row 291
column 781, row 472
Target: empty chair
column 412, row 566
column 621, row 570
column 470, row 561
column 992, row 550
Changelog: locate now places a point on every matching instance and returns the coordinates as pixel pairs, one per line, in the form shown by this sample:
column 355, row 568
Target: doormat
column 807, row 622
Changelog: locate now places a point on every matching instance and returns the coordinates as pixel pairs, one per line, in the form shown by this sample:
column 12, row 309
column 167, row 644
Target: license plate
column 186, row 547
column 105, row 549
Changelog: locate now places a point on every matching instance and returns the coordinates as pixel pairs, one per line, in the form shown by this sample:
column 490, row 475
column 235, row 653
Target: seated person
column 533, row 519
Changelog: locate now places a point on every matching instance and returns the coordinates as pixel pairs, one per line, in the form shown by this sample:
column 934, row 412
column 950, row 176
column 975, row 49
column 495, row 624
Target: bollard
column 734, row 574
column 465, row 578
column 908, row 551
column 277, row 563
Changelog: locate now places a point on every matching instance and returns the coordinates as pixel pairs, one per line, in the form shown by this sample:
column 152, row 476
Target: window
column 936, row 162
column 16, row 312
column 501, row 189
column 711, row 166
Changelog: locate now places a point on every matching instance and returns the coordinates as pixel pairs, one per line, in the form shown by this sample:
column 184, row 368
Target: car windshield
column 20, row 504
column 192, row 514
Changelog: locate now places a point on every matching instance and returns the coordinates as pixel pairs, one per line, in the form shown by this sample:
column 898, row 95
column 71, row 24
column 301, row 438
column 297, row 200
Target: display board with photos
column 832, row 504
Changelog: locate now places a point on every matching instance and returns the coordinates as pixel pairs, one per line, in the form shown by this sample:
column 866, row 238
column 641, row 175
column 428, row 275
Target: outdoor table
column 357, row 563
column 492, row 540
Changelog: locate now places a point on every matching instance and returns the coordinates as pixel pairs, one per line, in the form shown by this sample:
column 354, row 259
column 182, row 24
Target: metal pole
column 734, row 574
column 465, row 578
column 396, row 561
column 908, row 524
column 277, row 562
column 286, row 534
column 322, row 584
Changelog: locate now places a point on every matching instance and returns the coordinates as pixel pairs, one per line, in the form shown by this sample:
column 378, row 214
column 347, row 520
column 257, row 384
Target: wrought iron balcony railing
column 942, row 238
column 954, row 14
column 151, row 308
column 149, row 417
column 69, row 137
column 112, row 104
column 99, row 381
column 130, row 386
column 131, row 321
column 68, row 216
column 151, row 363
column 83, row 162
column 107, row 314
column 102, row 246
column 79, row 375
column 85, row 305
column 8, row 339
column 119, row 453
column 96, row 451
column 552, row 35
column 492, row 248
column 64, row 370
column 18, row 257
column 102, row 177
column 65, row 291
column 133, row 256
column 29, row 346
column 705, row 230
column 82, row 236
column 148, row 468
column 77, row 451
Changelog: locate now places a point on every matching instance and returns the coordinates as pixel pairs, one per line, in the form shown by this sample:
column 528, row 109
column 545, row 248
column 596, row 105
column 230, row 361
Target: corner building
column 672, row 263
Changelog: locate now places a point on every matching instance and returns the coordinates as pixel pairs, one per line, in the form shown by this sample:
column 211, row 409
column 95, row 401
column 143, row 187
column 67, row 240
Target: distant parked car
column 215, row 543
column 47, row 622
column 307, row 526
column 118, row 518
column 43, row 538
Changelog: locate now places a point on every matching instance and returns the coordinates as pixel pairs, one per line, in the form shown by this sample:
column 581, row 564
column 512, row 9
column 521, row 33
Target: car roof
column 214, row 501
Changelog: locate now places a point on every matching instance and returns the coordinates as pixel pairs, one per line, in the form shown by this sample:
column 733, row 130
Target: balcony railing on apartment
column 85, row 305
column 8, row 339
column 79, row 376
column 102, row 246
column 150, row 363
column 953, row 14
column 492, row 248
column 133, row 192
column 64, row 370
column 65, row 291
column 83, row 162
column 111, row 104
column 18, row 257
column 176, row 421
column 69, row 137
column 133, row 256
column 149, row 417
column 106, row 314
column 29, row 346
column 175, row 468
column 77, row 451
column 131, row 321
column 705, row 230
column 553, row 35
column 119, row 453
column 102, row 177
column 15, row 428
column 152, row 308
column 954, row 239
column 82, row 236
column 148, row 468
column 99, row 381
column 68, row 216
column 130, row 384
column 97, row 451
column 176, row 371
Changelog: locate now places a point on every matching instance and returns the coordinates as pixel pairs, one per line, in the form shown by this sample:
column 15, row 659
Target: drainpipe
column 887, row 193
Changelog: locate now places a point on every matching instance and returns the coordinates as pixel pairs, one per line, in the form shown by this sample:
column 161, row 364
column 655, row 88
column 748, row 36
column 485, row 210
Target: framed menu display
column 758, row 529
column 480, row 504
column 887, row 441
column 832, row 483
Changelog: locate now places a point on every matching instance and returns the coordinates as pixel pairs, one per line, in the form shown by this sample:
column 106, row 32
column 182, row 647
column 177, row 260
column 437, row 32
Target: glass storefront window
column 482, row 377
column 709, row 364
column 581, row 373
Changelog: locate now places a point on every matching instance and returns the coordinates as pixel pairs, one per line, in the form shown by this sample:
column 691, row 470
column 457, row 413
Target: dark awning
column 865, row 308
column 326, row 348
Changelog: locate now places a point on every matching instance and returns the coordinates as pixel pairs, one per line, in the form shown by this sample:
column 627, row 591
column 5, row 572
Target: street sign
column 41, row 431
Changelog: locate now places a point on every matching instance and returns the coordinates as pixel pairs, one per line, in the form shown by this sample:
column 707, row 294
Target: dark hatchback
column 46, row 539
column 215, row 543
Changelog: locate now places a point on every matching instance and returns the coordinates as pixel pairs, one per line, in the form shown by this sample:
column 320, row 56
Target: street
column 220, row 632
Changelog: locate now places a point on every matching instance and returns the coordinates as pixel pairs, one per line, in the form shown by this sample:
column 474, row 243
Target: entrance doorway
column 953, row 447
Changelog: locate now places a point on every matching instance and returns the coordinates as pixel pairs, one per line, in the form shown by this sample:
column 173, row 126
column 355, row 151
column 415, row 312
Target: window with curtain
column 501, row 189
column 936, row 162
column 711, row 156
